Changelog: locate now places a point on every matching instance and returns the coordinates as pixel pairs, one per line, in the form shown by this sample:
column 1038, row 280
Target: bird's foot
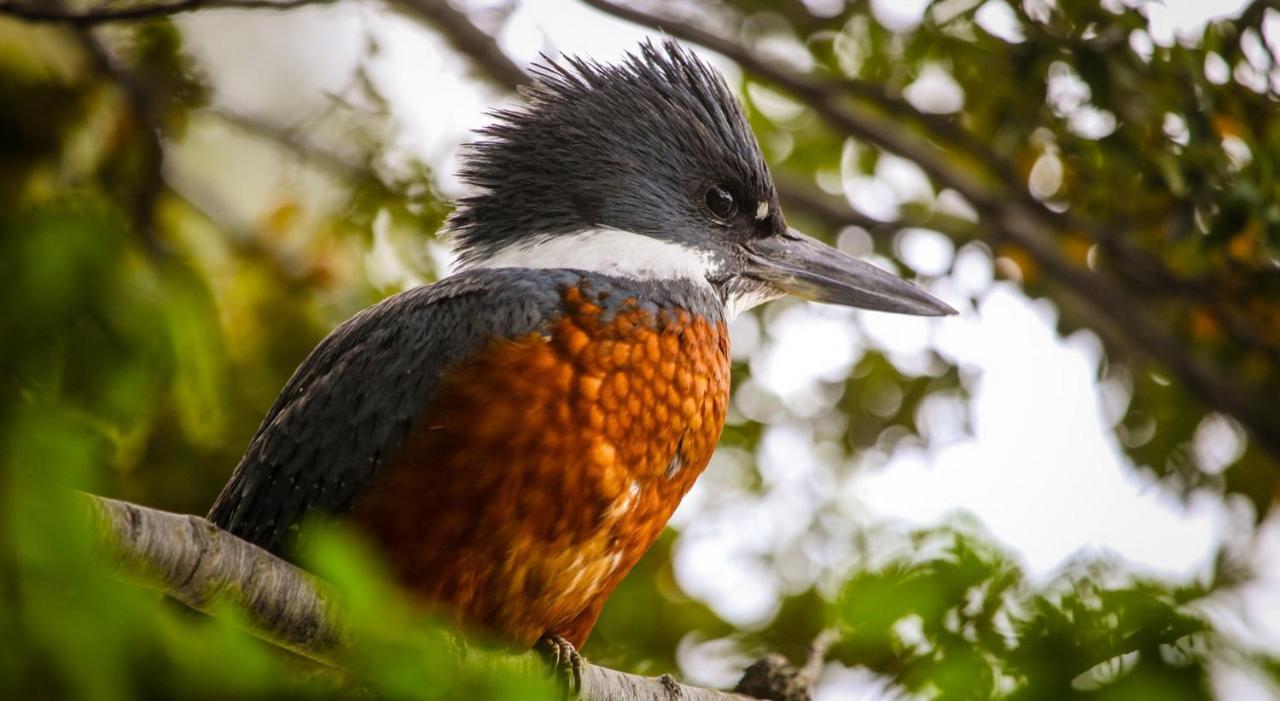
column 566, row 664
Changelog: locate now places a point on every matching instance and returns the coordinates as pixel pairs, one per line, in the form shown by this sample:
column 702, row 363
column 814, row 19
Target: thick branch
column 34, row 12
column 206, row 568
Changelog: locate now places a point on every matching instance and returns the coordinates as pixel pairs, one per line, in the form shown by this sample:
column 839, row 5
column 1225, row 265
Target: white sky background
column 1041, row 472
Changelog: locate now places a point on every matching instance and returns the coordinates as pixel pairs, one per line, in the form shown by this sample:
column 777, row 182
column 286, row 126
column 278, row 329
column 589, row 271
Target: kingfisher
column 513, row 437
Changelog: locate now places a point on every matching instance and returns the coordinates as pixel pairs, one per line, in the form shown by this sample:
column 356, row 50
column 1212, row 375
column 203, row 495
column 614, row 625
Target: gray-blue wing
column 354, row 398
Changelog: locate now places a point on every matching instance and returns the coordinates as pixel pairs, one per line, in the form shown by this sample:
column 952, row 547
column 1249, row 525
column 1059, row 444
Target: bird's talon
column 566, row 664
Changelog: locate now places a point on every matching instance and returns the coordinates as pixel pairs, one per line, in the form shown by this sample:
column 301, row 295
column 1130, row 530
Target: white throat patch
column 739, row 301
column 608, row 251
column 624, row 254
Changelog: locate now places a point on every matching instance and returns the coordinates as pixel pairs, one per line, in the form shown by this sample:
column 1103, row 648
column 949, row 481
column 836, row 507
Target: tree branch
column 143, row 108
column 191, row 560
column 335, row 164
column 774, row 677
column 834, row 213
column 204, row 567
column 103, row 15
column 469, row 40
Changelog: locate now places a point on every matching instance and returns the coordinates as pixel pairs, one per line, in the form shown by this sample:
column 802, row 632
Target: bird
column 513, row 437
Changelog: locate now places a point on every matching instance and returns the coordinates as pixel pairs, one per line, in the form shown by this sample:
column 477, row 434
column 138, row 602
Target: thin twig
column 144, row 110
column 834, row 213
column 291, row 140
column 103, row 15
column 817, row 659
column 468, row 39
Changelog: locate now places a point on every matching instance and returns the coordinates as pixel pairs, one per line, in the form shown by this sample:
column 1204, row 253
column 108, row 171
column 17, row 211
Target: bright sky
column 1041, row 471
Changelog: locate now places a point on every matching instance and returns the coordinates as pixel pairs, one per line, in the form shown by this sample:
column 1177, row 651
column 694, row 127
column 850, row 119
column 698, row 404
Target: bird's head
column 648, row 169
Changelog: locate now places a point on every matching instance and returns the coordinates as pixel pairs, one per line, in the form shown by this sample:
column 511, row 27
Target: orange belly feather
column 546, row 465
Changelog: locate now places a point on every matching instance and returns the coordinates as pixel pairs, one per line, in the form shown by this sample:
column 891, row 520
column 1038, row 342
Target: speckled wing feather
column 350, row 403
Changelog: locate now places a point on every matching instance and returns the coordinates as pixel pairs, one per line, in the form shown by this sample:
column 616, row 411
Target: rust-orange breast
column 544, row 466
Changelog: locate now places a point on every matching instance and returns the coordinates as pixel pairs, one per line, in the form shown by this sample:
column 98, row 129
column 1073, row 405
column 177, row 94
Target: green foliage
column 1168, row 182
column 958, row 620
column 145, row 330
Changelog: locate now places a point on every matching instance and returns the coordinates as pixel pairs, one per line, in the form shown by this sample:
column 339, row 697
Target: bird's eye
column 720, row 202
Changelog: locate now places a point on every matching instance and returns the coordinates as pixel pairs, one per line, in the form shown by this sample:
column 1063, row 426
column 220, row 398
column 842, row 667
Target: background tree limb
column 37, row 12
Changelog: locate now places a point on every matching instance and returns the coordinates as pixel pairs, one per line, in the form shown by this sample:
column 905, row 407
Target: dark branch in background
column 834, row 213
column 208, row 569
column 773, row 677
column 33, row 12
column 467, row 39
column 1255, row 11
column 334, row 163
column 144, row 105
column 144, row 110
column 1011, row 218
column 353, row 171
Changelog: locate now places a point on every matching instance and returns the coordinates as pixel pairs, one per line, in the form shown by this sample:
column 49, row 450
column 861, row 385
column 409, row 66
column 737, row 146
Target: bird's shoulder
column 350, row 403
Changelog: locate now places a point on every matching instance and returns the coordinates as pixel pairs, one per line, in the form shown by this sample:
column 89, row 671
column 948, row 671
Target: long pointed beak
column 805, row 267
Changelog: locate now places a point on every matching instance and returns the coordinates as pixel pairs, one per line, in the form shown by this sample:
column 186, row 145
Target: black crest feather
column 629, row 145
